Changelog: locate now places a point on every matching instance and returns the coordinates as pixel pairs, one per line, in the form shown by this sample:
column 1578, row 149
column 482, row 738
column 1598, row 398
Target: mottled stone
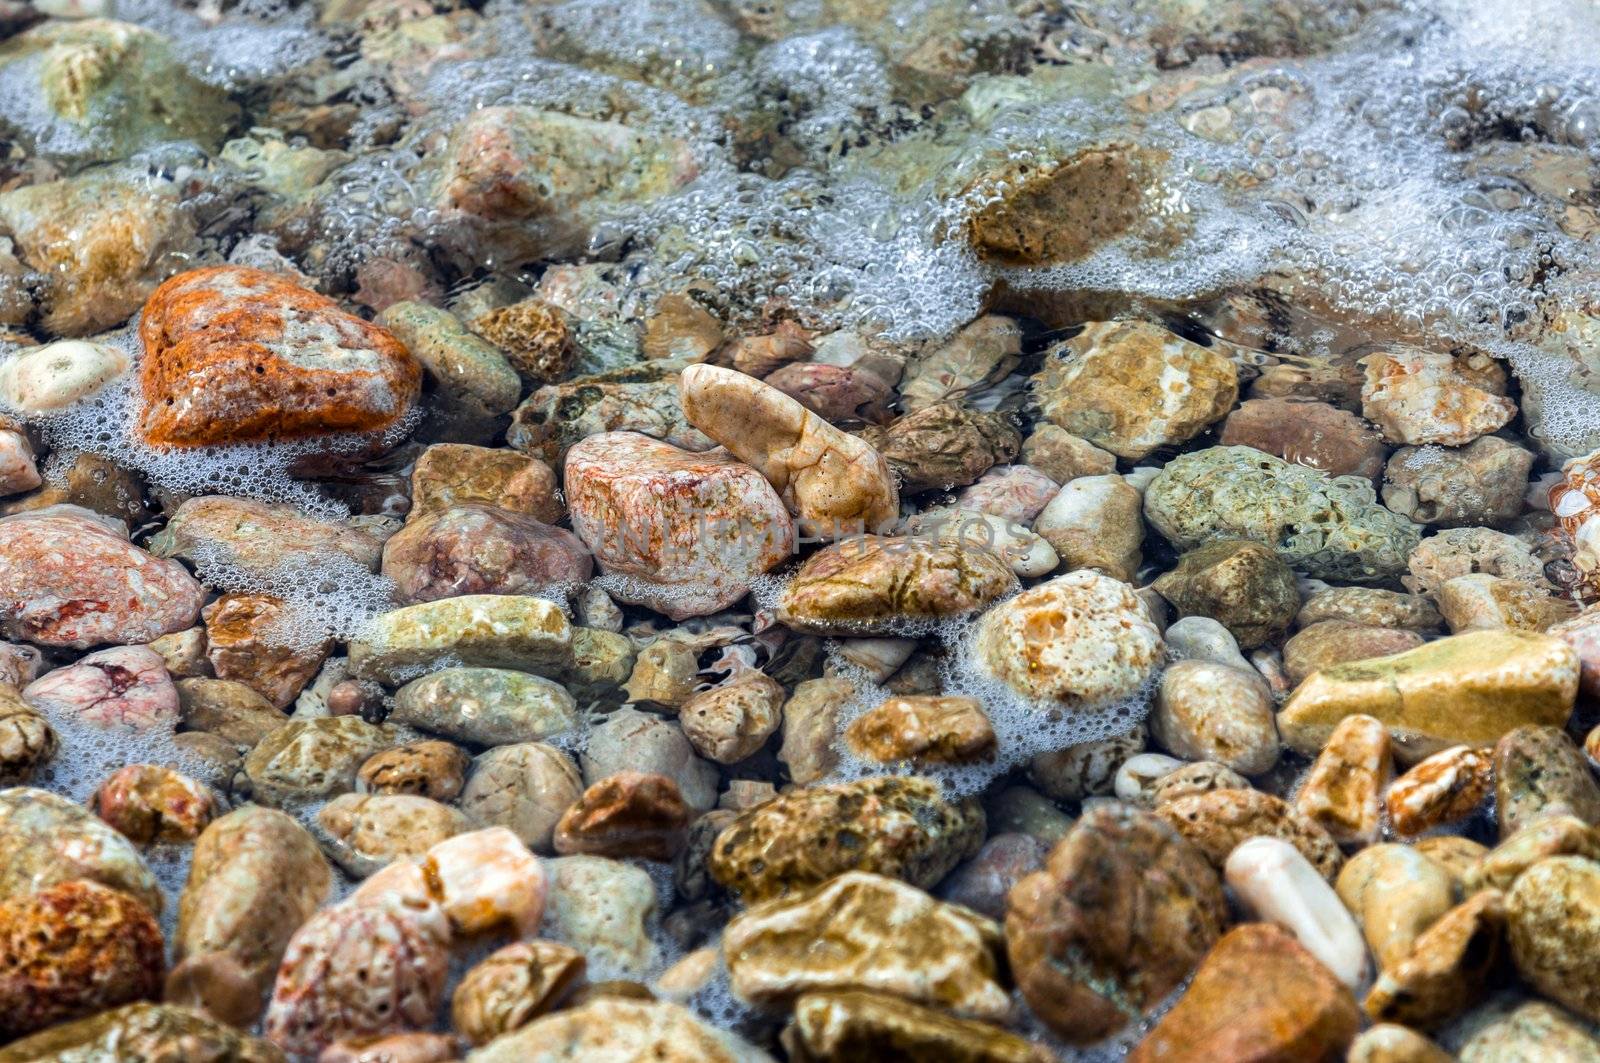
column 1330, row 642
column 526, row 787
column 512, row 986
column 1449, row 969
column 1219, row 820
column 865, row 585
column 533, row 336
column 945, row 445
column 73, row 949
column 149, row 802
column 601, row 908
column 687, row 531
column 1482, row 483
column 313, row 758
column 469, row 376
column 860, row 930
column 1388, row 1042
column 833, row 483
column 730, row 722
column 924, row 729
column 27, row 741
column 810, row 724
column 1395, row 892
column 456, row 474
column 427, row 769
column 1481, row 602
column 1440, row 790
column 260, row 538
column 1085, row 769
column 247, row 640
column 488, row 630
column 1132, row 387
column 255, row 877
column 369, row 831
column 1314, row 434
column 1370, row 606
column 1419, row 396
column 1540, row 771
column 1554, row 911
column 1536, row 1032
column 640, row 399
column 630, row 740
column 125, row 688
column 1258, row 995
column 1466, row 689
column 1342, row 791
column 983, row 882
column 1462, row 551
column 474, row 549
column 1216, row 712
column 630, row 814
column 1329, row 527
column 1241, row 584
column 235, row 355
column 899, row 826
column 1063, row 456
column 1011, row 492
column 1118, row 918
column 67, row 580
column 613, row 1030
column 486, row 706
column 142, row 1031
column 229, row 710
column 484, row 881
column 833, row 1026
column 1095, row 522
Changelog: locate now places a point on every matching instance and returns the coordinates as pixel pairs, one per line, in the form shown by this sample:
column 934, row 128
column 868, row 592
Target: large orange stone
column 1258, row 997
column 236, row 355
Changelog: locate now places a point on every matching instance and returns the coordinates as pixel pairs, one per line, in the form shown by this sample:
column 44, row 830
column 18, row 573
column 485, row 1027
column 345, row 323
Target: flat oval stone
column 234, row 355
column 486, row 706
column 471, row 549
column 492, row 630
column 866, row 585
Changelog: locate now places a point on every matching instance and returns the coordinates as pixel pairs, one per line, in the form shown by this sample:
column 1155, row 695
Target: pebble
column 859, row 931
column 1239, row 583
column 1138, row 776
column 925, row 729
column 1094, row 522
column 1015, row 493
column 1418, row 396
column 1535, row 1032
column 18, row 470
column 1216, row 712
column 72, row 949
column 512, row 986
column 226, row 709
column 483, row 880
column 1314, row 434
column 27, row 741
column 470, row 376
column 1330, row 642
column 533, row 336
column 1465, row 689
column 1395, row 893
column 1024, row 810
column 731, row 722
column 370, row 831
column 67, row 580
column 1554, row 928
column 306, row 759
column 611, row 1028
column 125, row 688
column 977, row 357
column 1450, row 969
column 447, row 475
column 686, row 532
column 485, row 706
column 1121, row 914
column 1370, row 606
column 1343, row 791
column 1063, row 456
column 641, row 399
column 1540, row 771
column 630, row 740
column 1582, row 633
column 601, row 908
column 1075, row 641
column 1463, row 551
column 833, row 483
column 875, row 584
column 235, row 355
column 1479, row 484
column 1027, row 553
column 1329, row 527
column 1479, row 601
column 524, row 786
column 1218, row 820
column 1257, row 995
column 1277, row 885
column 899, row 826
column 475, row 549
column 255, row 877
column 1391, row 1043
column 148, row 803
column 983, row 882
column 428, row 768
column 260, row 538
column 1132, row 387
column 1440, row 790
column 1086, row 769
column 1555, row 835
column 484, row 630
column 144, row 1031
column 243, row 643
column 943, row 446
column 1204, row 639
column 54, row 376
column 810, row 723
column 844, row 1024
column 630, row 814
